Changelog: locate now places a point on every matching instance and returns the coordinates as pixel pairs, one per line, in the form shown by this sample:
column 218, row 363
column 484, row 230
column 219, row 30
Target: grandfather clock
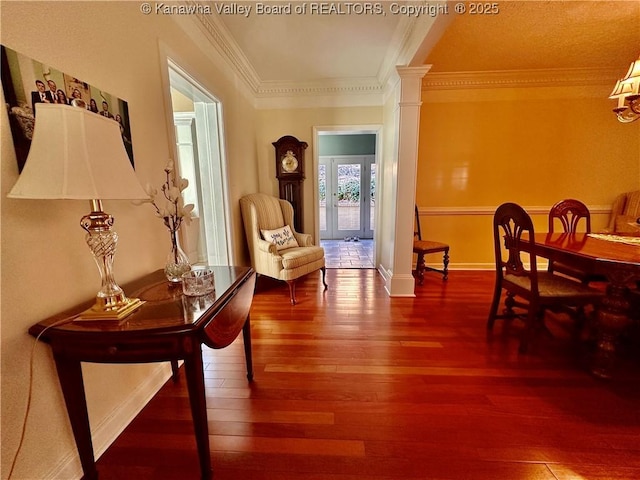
column 290, row 174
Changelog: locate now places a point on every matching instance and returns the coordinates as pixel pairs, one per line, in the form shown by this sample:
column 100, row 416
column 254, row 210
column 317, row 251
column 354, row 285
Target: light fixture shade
column 76, row 154
column 634, row 70
column 623, row 88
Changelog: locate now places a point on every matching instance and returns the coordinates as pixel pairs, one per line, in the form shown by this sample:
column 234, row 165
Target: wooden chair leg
column 420, row 267
column 324, row 275
column 292, row 291
column 495, row 303
column 445, row 261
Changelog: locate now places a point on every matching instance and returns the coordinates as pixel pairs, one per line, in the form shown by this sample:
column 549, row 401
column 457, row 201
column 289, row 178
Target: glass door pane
column 346, row 192
column 322, row 198
column 372, row 198
column 349, row 186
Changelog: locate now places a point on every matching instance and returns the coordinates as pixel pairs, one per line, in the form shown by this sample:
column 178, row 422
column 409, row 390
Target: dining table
column 615, row 257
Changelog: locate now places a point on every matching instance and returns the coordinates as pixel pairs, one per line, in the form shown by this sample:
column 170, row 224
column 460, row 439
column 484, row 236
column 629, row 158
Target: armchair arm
column 303, row 239
column 266, row 247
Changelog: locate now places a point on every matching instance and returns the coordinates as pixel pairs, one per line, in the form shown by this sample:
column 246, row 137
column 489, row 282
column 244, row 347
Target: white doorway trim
column 345, row 130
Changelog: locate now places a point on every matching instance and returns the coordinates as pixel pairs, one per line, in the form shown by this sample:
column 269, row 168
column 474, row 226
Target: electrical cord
column 30, row 392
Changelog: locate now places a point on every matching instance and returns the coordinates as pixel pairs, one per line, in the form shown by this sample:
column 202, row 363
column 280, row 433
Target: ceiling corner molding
column 227, row 47
column 396, row 50
column 520, row 78
column 329, row 87
column 325, row 93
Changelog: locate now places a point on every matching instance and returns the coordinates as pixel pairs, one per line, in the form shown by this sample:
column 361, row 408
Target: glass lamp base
column 111, row 302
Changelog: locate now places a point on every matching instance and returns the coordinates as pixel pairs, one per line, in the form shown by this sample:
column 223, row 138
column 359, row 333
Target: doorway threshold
column 348, row 254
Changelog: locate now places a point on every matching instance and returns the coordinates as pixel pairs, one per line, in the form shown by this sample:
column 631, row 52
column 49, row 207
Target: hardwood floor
column 351, row 384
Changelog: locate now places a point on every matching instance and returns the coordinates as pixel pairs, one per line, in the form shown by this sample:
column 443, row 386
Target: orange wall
column 534, row 146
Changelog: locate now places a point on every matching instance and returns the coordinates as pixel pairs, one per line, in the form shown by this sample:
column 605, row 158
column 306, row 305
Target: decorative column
column 401, row 282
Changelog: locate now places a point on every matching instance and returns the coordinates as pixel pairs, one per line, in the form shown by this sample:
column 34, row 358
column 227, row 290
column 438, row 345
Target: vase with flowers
column 171, row 209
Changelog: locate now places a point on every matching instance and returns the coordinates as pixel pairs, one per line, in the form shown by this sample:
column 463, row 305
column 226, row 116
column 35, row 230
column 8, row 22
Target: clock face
column 289, row 162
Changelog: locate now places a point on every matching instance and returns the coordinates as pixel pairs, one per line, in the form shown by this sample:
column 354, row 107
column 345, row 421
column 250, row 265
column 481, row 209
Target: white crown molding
column 363, row 92
column 401, row 38
column 552, row 77
column 222, row 40
column 324, row 87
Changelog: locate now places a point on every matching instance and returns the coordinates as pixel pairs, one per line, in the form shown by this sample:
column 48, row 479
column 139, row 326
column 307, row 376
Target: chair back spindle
column 569, row 213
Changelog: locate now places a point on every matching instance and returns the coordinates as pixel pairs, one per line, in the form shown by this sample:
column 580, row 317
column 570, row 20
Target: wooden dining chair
column 529, row 289
column 425, row 247
column 571, row 214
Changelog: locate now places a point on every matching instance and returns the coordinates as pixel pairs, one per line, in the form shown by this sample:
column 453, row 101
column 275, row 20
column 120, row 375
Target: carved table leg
column 175, row 371
column 612, row 318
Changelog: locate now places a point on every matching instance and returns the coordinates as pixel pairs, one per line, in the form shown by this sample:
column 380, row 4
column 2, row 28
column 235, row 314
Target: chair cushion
column 550, row 286
column 429, row 246
column 298, row 256
column 282, row 237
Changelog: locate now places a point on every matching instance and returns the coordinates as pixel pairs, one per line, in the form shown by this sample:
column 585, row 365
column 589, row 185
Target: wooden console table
column 168, row 327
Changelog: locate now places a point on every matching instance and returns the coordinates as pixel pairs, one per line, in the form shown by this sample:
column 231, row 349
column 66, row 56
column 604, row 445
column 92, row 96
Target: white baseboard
column 465, row 266
column 105, row 433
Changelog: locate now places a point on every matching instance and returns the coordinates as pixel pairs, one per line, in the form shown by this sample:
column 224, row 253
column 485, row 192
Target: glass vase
column 177, row 261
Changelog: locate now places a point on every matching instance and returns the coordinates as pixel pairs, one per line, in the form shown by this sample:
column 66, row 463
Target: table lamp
column 79, row 155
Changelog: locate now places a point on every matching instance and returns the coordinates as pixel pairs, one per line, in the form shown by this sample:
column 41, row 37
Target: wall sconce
column 79, row 155
column 626, row 91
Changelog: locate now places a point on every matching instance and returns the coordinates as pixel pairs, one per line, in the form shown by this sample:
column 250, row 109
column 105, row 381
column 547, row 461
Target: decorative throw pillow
column 281, row 237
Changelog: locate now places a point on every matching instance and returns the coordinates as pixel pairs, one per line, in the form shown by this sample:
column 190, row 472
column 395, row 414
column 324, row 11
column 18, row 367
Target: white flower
column 186, row 213
column 170, row 205
column 186, row 210
column 163, row 212
column 173, row 194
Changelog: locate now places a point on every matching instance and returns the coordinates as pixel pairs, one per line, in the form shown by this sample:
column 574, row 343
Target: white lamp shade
column 76, row 154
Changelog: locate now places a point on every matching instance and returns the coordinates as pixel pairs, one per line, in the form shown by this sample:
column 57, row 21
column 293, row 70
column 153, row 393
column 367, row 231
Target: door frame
column 374, row 129
column 207, row 243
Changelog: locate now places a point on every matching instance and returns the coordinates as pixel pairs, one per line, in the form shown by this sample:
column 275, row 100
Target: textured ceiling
column 523, row 35
column 303, row 48
column 539, row 35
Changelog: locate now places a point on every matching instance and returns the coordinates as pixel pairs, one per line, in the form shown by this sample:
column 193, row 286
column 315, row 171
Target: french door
column 347, row 194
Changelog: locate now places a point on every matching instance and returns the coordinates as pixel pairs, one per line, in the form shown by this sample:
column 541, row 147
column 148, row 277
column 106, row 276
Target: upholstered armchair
column 276, row 249
column 625, row 213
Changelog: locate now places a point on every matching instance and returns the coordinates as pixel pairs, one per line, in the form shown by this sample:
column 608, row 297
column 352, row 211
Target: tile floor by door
column 348, row 254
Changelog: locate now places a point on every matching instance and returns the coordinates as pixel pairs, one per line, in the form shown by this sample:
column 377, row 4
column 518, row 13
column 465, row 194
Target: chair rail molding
column 486, row 210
